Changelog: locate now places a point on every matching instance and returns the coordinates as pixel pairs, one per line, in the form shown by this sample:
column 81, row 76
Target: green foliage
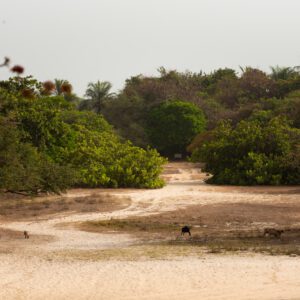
column 48, row 145
column 22, row 85
column 283, row 73
column 210, row 81
column 255, row 84
column 24, row 169
column 128, row 111
column 127, row 114
column 97, row 94
column 18, row 169
column 258, row 151
column 172, row 125
column 51, row 141
column 41, row 122
column 102, row 160
column 221, row 95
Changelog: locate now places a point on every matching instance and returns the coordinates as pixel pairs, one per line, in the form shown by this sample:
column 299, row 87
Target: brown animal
column 26, row 235
column 273, row 232
column 185, row 229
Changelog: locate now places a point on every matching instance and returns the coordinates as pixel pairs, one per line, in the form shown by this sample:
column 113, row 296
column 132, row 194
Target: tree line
column 244, row 127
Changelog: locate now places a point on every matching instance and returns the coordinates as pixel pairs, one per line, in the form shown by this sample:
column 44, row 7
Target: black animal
column 26, row 235
column 273, row 232
column 185, row 229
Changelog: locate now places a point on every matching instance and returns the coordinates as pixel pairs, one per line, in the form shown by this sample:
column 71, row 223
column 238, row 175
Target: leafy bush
column 48, row 145
column 172, row 125
column 102, row 160
column 24, row 169
column 255, row 152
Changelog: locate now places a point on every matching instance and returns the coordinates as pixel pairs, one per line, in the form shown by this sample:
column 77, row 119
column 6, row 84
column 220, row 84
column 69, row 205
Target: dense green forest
column 245, row 127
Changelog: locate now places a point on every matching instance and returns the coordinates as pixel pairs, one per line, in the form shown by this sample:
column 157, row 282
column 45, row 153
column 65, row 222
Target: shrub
column 172, row 125
column 24, row 169
column 102, row 160
column 47, row 145
column 255, row 152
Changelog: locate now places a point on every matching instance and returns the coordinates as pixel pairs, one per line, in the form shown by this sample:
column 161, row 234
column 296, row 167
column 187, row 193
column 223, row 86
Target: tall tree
column 172, row 125
column 97, row 93
column 283, row 73
column 62, row 87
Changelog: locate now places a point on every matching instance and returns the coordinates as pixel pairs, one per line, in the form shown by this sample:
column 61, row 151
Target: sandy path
column 24, row 275
column 182, row 190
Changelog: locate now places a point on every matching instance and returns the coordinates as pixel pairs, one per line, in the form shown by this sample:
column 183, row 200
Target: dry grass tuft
column 20, row 207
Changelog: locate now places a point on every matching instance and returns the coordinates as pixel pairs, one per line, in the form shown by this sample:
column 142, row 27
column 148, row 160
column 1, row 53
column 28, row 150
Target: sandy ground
column 27, row 270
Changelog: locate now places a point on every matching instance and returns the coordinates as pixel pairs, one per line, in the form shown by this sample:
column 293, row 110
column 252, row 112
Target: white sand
column 212, row 277
column 25, row 274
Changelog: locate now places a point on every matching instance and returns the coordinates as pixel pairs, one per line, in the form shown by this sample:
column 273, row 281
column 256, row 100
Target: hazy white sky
column 89, row 40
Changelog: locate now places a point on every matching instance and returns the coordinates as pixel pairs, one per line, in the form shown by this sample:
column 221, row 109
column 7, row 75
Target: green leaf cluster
column 24, row 169
column 46, row 144
column 256, row 151
column 172, row 125
column 223, row 94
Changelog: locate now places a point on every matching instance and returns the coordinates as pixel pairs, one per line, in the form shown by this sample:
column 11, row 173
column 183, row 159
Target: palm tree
column 283, row 73
column 62, row 87
column 97, row 93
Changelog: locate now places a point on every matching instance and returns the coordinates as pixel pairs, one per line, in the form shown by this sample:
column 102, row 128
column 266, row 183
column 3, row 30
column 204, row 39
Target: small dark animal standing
column 185, row 229
column 273, row 232
column 26, row 235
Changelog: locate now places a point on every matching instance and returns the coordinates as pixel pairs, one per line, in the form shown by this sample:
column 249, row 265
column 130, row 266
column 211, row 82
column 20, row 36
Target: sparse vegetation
column 215, row 229
column 130, row 225
column 20, row 207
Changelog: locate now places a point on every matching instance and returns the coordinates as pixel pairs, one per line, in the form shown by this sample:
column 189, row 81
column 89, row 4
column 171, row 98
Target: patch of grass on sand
column 132, row 253
column 128, row 225
column 167, row 236
column 244, row 245
column 22, row 207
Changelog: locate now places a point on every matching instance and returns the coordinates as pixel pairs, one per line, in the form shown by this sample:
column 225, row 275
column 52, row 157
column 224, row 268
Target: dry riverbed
column 126, row 244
